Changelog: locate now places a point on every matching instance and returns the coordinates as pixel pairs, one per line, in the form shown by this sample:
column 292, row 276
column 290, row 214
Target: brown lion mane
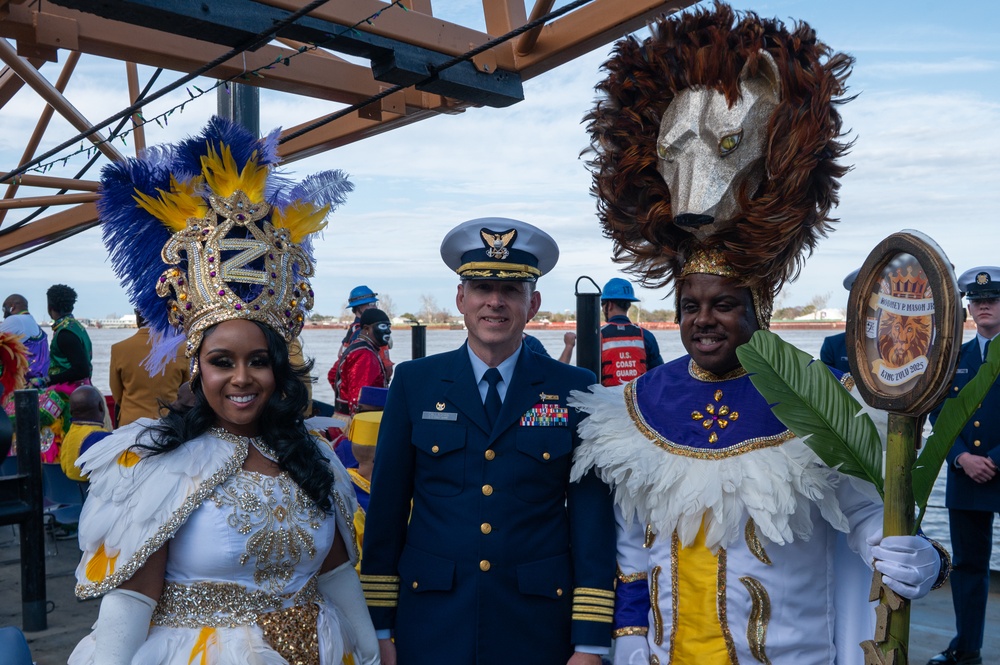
column 790, row 212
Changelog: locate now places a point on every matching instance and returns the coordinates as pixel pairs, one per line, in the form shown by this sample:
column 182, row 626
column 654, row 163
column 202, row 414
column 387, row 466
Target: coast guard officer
column 834, row 350
column 973, row 493
column 502, row 559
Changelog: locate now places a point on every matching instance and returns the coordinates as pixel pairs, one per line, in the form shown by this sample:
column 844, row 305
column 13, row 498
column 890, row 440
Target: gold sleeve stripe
column 597, row 605
column 392, row 579
column 630, row 630
column 379, row 587
column 588, row 591
column 381, row 603
column 576, row 616
column 604, row 611
column 381, row 595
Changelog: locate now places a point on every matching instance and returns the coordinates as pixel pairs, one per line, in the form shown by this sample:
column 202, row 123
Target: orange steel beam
column 55, row 183
column 11, row 83
column 41, row 125
column 54, row 98
column 526, row 42
column 583, row 30
column 48, row 229
column 52, row 200
column 138, row 129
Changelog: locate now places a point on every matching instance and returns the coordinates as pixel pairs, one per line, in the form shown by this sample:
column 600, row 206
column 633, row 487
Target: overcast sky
column 925, row 123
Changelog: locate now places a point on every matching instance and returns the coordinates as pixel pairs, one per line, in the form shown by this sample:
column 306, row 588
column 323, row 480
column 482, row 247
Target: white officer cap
column 980, row 283
column 499, row 248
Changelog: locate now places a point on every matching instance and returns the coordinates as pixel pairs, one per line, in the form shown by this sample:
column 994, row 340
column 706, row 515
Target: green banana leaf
column 807, row 398
column 955, row 412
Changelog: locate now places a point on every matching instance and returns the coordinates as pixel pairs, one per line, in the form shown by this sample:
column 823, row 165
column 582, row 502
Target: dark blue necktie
column 493, row 402
column 986, row 349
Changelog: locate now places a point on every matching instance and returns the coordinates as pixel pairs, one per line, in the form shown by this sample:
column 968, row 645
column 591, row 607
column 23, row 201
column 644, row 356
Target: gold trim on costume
column 675, row 549
column 170, row 527
column 650, row 537
column 847, row 381
column 701, row 374
column 720, row 597
column 753, row 542
column 760, row 614
column 631, row 577
column 654, row 596
column 631, row 403
column 630, row 630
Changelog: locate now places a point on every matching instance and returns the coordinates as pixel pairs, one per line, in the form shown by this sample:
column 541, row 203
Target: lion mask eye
column 730, row 142
column 664, row 153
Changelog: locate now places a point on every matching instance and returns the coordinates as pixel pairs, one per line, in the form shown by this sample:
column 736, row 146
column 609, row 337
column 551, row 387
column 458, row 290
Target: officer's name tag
column 438, row 415
column 962, row 370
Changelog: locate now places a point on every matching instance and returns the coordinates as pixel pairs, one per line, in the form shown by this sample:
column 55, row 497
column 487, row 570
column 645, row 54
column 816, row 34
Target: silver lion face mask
column 709, row 152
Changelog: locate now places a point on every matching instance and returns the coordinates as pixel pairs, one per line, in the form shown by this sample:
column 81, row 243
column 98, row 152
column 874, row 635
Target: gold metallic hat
column 713, row 262
column 204, row 231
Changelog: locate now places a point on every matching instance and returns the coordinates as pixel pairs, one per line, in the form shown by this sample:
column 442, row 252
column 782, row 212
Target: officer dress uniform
column 971, row 505
column 503, row 560
column 834, row 350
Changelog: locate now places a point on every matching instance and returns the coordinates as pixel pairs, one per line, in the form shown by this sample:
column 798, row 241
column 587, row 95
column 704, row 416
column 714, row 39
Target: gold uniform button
column 485, row 527
column 414, row 585
column 977, row 443
column 559, row 592
column 487, row 490
column 484, row 565
column 434, row 449
column 975, row 424
column 546, row 456
column 955, row 389
column 490, row 454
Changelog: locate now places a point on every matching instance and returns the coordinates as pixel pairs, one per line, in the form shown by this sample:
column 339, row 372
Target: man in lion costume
column 715, row 144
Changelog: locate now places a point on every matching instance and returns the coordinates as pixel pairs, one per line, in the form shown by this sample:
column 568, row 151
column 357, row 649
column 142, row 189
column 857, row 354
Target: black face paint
column 381, row 332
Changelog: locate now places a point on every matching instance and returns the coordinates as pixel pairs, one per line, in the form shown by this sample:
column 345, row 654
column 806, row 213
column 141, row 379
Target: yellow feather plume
column 101, row 565
column 224, row 179
column 175, row 207
column 301, row 219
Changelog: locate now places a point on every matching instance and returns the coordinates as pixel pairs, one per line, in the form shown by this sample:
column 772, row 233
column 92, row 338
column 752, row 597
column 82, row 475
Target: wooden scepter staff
column 904, row 333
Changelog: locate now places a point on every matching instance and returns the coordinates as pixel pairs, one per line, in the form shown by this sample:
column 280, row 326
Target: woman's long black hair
column 282, row 424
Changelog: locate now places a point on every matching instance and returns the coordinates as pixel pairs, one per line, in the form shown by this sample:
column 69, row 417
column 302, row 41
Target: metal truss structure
column 420, row 66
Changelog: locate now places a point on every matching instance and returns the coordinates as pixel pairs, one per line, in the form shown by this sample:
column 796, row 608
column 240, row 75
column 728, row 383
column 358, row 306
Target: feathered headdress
column 207, row 230
column 13, row 363
column 784, row 212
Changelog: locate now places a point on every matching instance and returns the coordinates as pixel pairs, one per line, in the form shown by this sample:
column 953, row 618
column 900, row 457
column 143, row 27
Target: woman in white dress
column 222, row 533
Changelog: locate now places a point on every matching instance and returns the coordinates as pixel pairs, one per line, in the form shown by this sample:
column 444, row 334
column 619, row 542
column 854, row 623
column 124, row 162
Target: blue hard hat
column 618, row 289
column 361, row 295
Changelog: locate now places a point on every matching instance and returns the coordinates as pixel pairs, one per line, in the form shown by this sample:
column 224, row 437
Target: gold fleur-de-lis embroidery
column 720, row 415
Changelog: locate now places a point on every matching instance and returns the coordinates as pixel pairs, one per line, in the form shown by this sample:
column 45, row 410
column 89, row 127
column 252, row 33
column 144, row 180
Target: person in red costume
column 361, row 365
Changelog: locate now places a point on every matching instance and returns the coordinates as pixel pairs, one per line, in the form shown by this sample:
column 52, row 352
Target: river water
column 323, row 344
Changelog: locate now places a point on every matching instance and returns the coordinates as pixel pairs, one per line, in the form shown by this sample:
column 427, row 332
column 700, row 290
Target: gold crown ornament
column 206, row 231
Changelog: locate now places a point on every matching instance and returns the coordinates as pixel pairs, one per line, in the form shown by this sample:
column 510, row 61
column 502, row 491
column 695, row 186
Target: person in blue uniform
column 973, row 492
column 834, row 349
column 503, row 560
column 627, row 351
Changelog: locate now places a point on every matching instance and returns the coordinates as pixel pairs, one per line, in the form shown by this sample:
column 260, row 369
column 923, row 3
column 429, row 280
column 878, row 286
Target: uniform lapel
column 463, row 392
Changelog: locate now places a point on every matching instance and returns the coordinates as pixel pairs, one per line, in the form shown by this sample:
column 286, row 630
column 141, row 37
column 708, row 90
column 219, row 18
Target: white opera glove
column 631, row 650
column 122, row 626
column 909, row 564
column 342, row 587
